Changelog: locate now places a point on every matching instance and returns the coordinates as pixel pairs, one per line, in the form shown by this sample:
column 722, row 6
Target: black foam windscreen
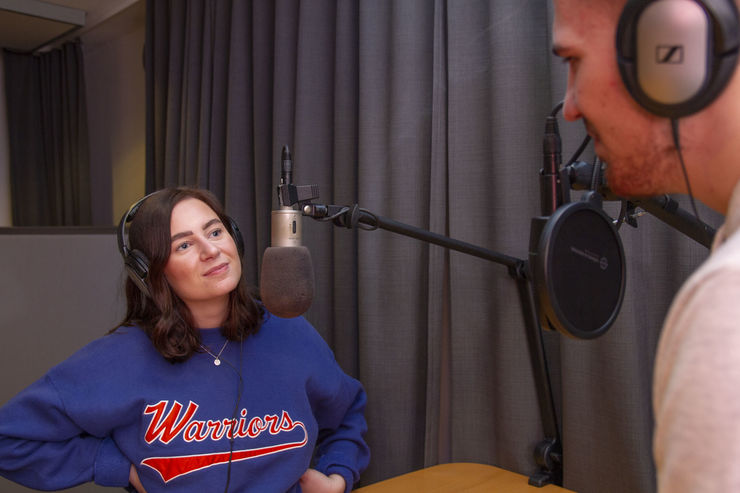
column 579, row 274
column 286, row 280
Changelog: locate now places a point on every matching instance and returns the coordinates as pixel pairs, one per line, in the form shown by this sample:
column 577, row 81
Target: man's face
column 636, row 145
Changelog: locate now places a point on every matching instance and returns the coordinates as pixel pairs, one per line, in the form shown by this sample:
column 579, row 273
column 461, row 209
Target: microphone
column 286, row 276
column 551, row 195
column 576, row 258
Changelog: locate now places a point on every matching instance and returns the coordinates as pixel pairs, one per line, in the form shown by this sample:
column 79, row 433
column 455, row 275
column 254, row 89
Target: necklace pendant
column 216, row 357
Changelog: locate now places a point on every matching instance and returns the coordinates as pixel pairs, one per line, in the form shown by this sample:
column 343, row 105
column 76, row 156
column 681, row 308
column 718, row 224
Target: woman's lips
column 219, row 269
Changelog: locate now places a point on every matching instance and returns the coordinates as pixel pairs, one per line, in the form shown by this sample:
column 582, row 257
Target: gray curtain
column 49, row 147
column 429, row 112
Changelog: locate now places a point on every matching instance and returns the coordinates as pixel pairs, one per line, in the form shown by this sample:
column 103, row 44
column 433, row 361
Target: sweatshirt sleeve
column 42, row 447
column 339, row 411
column 342, row 449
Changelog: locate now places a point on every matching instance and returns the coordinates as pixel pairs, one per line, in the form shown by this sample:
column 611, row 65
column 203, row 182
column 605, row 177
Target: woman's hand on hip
column 313, row 481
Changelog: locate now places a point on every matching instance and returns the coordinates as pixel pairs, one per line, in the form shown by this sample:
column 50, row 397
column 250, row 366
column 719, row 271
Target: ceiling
column 36, row 25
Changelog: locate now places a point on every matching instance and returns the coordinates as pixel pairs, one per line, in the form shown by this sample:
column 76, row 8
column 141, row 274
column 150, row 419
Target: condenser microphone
column 286, row 276
column 551, row 195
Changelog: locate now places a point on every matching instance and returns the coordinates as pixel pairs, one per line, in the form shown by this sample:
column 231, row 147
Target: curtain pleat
column 438, row 439
column 48, row 135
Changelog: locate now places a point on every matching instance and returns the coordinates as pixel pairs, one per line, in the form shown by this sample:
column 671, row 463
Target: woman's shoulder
column 297, row 327
column 291, row 332
column 121, row 345
column 122, row 338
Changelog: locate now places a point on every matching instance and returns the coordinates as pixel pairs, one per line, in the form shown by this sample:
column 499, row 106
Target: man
column 696, row 389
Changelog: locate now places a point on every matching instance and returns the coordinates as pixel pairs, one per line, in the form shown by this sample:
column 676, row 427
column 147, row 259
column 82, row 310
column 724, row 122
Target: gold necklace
column 216, row 357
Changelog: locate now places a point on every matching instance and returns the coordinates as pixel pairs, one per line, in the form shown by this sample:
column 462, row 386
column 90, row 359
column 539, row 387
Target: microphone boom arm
column 667, row 210
column 579, row 176
column 352, row 216
column 548, row 452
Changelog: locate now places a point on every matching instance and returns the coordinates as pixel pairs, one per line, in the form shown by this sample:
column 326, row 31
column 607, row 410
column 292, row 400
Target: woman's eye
column 216, row 233
column 183, row 246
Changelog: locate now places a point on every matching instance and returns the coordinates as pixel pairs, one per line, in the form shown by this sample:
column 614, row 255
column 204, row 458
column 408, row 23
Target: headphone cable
column 677, row 142
column 236, row 410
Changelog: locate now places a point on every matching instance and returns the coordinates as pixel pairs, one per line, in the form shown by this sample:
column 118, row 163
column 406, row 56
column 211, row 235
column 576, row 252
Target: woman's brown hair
column 164, row 316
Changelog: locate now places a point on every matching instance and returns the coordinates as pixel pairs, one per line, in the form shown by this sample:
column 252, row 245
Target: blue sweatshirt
column 118, row 402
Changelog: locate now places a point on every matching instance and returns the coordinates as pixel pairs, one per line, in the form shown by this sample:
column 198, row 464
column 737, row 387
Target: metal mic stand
column 548, row 452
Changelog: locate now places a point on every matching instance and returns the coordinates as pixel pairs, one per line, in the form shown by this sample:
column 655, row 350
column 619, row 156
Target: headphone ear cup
column 676, row 56
column 236, row 234
column 137, row 267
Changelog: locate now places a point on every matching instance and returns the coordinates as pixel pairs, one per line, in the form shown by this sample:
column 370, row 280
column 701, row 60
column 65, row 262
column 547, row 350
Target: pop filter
column 580, row 269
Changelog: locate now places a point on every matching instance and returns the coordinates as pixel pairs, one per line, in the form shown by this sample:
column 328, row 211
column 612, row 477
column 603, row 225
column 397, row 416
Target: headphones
column 676, row 56
column 137, row 264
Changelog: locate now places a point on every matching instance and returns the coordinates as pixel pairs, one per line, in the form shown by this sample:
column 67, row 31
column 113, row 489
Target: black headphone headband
column 137, row 264
column 676, row 56
column 127, row 217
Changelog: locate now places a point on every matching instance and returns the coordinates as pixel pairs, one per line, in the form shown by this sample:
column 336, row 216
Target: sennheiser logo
column 671, row 54
column 593, row 257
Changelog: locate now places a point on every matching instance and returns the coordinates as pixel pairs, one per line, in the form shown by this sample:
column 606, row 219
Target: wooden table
column 459, row 477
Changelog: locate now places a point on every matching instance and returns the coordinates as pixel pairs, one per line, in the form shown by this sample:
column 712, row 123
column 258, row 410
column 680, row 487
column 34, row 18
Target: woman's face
column 204, row 265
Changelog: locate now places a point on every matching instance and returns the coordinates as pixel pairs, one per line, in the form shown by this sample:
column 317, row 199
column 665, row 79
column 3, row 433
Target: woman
column 199, row 389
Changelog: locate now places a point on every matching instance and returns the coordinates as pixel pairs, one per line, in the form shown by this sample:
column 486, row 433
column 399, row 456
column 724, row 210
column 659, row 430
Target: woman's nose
column 209, row 250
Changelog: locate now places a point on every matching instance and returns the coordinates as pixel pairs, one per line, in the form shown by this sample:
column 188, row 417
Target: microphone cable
column 582, row 147
column 352, row 224
column 554, row 112
column 596, row 174
column 332, row 217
